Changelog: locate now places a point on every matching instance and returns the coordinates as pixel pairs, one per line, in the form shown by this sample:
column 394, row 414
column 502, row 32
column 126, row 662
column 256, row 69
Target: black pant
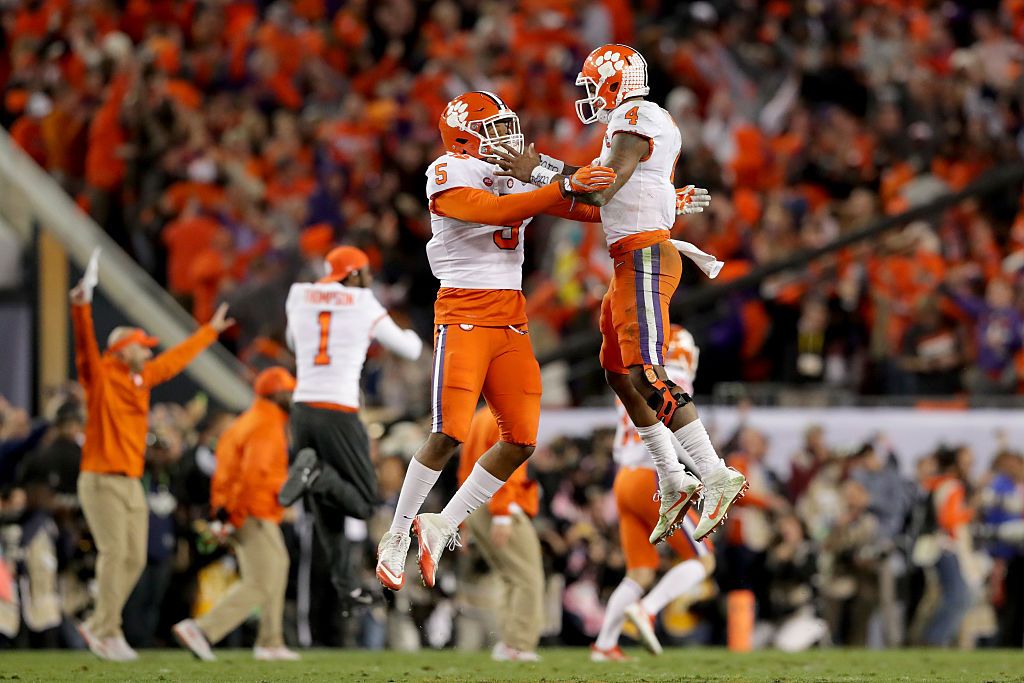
column 347, row 486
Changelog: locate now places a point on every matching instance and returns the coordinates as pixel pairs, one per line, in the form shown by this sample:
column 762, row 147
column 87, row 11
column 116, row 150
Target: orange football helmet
column 469, row 125
column 610, row 74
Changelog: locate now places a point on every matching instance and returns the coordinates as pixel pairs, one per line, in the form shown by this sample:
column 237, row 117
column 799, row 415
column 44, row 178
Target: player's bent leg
column 677, row 489
column 723, row 485
column 420, row 478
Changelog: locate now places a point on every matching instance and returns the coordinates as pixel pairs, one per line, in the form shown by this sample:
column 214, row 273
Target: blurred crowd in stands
column 842, row 548
column 227, row 144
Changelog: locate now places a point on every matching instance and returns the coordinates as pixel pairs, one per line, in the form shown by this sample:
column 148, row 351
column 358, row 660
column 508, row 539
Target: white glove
column 691, row 199
column 92, row 274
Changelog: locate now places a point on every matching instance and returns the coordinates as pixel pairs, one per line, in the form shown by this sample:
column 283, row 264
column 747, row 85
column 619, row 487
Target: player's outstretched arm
column 404, row 343
column 627, row 151
column 479, row 206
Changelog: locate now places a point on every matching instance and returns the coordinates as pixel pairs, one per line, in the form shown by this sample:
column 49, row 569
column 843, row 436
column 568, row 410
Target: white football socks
column 624, row 595
column 694, row 438
column 419, row 479
column 658, row 440
column 679, row 580
column 479, row 487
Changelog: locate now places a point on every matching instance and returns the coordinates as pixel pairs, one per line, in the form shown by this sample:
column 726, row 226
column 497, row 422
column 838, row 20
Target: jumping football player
column 331, row 324
column 634, row 488
column 642, row 145
column 481, row 339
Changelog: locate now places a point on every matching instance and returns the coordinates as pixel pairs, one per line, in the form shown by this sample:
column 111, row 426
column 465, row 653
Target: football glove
column 692, row 199
column 591, row 179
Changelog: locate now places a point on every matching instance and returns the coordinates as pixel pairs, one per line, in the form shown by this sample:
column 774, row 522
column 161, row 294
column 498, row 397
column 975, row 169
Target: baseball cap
column 272, row 381
column 135, row 335
column 343, row 261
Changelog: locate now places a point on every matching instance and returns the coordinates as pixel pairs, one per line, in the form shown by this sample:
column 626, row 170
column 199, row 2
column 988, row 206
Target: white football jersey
column 647, row 201
column 629, row 449
column 473, row 255
column 330, row 327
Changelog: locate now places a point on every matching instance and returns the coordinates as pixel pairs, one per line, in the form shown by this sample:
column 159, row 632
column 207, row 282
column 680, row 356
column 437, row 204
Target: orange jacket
column 519, row 490
column 948, row 497
column 117, row 399
column 252, row 464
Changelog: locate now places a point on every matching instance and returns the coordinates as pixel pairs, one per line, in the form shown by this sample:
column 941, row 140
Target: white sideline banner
column 911, row 432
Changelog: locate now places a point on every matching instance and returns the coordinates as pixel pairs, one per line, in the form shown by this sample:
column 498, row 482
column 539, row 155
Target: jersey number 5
column 632, row 114
column 507, row 238
column 440, row 175
column 324, row 320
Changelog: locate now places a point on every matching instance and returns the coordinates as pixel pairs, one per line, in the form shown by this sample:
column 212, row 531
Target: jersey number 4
column 632, row 115
column 324, row 320
column 507, row 238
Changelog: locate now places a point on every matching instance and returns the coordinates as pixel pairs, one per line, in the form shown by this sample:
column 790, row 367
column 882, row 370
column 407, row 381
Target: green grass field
column 558, row 665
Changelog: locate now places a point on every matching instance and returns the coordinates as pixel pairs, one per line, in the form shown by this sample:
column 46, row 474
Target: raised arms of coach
column 175, row 359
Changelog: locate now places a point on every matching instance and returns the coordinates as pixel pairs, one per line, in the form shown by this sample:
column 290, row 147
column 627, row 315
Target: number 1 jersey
column 330, row 328
column 480, row 266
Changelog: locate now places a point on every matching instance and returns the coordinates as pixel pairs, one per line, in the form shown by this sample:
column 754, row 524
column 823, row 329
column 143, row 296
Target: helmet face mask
column 589, row 108
column 491, row 137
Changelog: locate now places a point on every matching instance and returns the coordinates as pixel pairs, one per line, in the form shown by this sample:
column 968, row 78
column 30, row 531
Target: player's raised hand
column 592, row 179
column 220, row 320
column 692, row 199
column 515, row 164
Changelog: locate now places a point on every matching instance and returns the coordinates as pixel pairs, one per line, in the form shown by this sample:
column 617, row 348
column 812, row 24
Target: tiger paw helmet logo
column 456, row 114
column 609, row 63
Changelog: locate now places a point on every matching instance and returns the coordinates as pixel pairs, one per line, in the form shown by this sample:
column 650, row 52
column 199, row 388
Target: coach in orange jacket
column 117, row 384
column 252, row 465
column 507, row 540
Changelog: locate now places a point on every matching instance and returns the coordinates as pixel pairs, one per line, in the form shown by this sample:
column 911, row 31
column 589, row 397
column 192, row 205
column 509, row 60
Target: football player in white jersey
column 331, row 324
column 635, row 486
column 481, row 339
column 642, row 145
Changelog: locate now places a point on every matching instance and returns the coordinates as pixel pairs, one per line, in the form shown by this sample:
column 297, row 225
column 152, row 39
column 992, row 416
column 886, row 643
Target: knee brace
column 666, row 396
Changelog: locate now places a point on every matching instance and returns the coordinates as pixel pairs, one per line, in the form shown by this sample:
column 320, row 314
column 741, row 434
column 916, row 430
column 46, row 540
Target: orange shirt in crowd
column 117, row 399
column 104, row 167
column 252, row 464
column 948, row 497
column 519, row 491
column 185, row 238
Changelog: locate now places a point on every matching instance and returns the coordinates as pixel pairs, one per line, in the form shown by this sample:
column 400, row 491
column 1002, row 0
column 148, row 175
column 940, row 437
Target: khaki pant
column 263, row 563
column 115, row 509
column 519, row 565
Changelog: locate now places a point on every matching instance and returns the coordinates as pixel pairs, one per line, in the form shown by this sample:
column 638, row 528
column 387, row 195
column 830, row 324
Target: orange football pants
column 634, row 311
column 634, row 490
column 495, row 361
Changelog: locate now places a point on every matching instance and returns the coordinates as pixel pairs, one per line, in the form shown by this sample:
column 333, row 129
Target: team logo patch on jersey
column 488, row 181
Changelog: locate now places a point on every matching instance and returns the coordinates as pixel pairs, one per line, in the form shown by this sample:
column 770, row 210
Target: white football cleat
column 434, row 536
column 189, row 635
column 392, row 552
column 644, row 624
column 275, row 654
column 722, row 489
column 677, row 496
